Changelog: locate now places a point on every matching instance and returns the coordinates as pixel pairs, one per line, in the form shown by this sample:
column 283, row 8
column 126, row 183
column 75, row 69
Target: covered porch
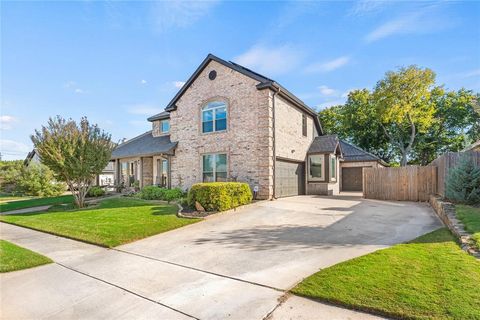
column 143, row 171
column 143, row 161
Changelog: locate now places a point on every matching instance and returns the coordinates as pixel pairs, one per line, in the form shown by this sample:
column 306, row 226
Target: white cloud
column 328, row 66
column 270, row 60
column 364, row 7
column 330, row 103
column 471, row 73
column 178, row 84
column 179, row 14
column 6, row 122
column 143, row 81
column 73, row 86
column 326, row 91
column 11, row 149
column 144, row 109
column 421, row 21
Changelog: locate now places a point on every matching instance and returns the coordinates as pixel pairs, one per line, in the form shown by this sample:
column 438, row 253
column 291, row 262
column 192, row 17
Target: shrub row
column 95, row 191
column 157, row 193
column 220, row 196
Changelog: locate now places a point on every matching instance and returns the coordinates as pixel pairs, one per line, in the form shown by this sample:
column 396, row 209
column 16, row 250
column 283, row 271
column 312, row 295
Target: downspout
column 274, row 141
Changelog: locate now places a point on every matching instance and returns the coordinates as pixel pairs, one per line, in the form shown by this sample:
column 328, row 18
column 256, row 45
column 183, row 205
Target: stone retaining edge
column 446, row 212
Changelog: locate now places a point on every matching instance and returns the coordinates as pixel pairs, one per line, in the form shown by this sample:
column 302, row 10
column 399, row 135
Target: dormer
column 160, row 124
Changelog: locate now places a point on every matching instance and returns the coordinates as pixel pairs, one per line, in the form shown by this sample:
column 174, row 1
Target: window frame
column 205, row 108
column 304, row 125
column 214, row 172
column 322, row 170
column 333, row 167
column 161, row 126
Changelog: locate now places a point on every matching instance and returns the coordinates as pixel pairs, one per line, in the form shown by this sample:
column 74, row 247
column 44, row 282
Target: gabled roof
column 144, row 145
column 325, row 144
column 160, row 116
column 264, row 83
column 354, row 153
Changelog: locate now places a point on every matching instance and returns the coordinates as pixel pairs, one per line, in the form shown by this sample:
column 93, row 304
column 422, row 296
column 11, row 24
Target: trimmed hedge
column 157, row 193
column 220, row 196
column 95, row 191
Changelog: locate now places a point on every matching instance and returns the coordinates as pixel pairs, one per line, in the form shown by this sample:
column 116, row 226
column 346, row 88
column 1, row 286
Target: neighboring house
column 228, row 123
column 106, row 178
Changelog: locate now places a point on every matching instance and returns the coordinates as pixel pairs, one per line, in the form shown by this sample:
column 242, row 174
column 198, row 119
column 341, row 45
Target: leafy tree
column 38, row 180
column 463, row 182
column 357, row 121
column 9, row 171
column 402, row 100
column 455, row 124
column 75, row 153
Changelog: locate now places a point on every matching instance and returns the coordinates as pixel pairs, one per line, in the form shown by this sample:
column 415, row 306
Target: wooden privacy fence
column 447, row 161
column 413, row 183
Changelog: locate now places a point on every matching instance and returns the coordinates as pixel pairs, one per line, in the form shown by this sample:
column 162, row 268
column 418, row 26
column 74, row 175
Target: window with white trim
column 333, row 167
column 165, row 126
column 214, row 167
column 214, row 117
column 316, row 166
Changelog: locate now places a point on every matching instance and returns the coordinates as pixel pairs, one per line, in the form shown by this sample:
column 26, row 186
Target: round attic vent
column 212, row 75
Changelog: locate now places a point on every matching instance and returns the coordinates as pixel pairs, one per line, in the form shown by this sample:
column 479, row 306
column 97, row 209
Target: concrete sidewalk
column 231, row 266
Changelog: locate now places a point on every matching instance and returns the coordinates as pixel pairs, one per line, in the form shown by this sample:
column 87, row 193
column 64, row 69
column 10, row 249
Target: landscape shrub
column 95, row 191
column 463, row 182
column 38, row 180
column 157, row 193
column 220, row 196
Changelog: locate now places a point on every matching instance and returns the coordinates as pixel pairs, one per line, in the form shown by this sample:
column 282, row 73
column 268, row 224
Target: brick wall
column 247, row 140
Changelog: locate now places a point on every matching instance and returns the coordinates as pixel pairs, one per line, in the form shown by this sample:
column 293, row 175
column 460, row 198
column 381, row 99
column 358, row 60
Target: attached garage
column 289, row 178
column 352, row 179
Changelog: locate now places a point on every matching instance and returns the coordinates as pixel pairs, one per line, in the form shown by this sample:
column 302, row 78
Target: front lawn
column 4, row 197
column 22, row 204
column 470, row 217
column 13, row 257
column 113, row 222
column 427, row 278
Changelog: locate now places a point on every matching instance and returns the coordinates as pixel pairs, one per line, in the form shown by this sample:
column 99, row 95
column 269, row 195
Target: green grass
column 470, row 216
column 4, row 197
column 22, row 204
column 428, row 278
column 13, row 257
column 113, row 222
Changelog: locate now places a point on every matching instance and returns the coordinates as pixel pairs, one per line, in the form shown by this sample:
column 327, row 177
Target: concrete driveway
column 235, row 265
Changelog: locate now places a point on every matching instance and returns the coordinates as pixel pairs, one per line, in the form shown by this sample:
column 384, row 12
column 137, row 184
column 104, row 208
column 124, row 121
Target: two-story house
column 229, row 123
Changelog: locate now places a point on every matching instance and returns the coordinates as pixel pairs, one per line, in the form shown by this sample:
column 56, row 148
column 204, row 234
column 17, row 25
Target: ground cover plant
column 470, row 217
column 13, row 257
column 35, row 202
column 427, row 278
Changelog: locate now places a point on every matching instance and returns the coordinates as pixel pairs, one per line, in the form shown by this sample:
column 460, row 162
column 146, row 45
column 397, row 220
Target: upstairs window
column 214, row 117
column 165, row 126
column 304, row 125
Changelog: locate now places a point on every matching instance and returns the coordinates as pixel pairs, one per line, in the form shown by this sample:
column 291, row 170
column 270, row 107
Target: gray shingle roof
column 160, row 116
column 144, row 145
column 324, row 144
column 354, row 153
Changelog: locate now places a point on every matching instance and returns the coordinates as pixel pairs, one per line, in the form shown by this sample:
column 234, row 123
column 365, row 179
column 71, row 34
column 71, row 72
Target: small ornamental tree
column 76, row 153
column 463, row 182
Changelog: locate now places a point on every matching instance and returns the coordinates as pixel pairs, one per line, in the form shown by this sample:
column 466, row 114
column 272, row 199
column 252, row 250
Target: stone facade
column 247, row 140
column 156, row 128
column 147, row 171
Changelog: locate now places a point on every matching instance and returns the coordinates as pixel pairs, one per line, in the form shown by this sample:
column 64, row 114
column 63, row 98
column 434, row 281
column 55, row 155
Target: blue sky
column 119, row 62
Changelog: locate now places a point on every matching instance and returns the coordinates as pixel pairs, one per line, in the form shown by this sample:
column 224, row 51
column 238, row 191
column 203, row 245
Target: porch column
column 117, row 172
column 141, row 172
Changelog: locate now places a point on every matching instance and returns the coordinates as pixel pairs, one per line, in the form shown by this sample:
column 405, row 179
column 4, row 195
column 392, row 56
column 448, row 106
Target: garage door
column 352, row 179
column 289, row 179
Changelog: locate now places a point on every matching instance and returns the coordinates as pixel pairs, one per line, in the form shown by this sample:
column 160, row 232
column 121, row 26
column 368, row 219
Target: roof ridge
column 134, row 138
column 358, row 148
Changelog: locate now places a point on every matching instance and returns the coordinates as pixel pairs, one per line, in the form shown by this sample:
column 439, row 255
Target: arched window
column 214, row 117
